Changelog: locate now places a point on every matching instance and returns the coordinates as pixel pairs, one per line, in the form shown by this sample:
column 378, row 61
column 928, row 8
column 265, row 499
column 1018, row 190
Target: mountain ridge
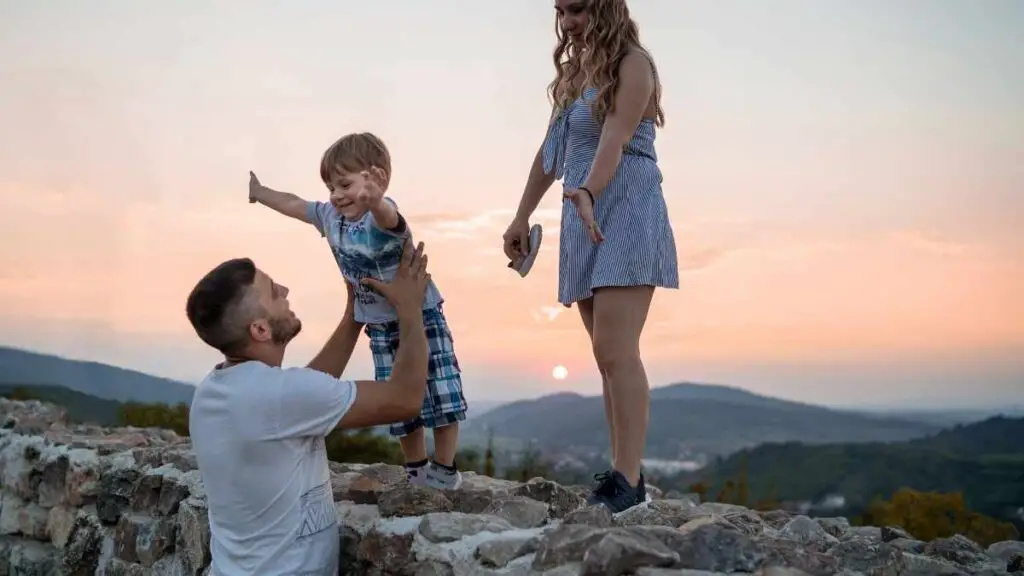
column 688, row 418
column 983, row 460
column 19, row 367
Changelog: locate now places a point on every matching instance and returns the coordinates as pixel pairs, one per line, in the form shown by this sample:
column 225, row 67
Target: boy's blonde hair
column 354, row 153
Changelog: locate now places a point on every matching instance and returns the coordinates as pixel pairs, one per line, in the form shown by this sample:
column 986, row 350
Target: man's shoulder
column 254, row 376
column 249, row 369
column 239, row 382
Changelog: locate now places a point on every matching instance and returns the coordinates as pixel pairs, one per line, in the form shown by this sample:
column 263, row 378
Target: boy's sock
column 443, row 477
column 416, row 472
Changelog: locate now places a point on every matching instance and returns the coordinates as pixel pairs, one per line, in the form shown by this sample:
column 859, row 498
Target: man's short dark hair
column 218, row 309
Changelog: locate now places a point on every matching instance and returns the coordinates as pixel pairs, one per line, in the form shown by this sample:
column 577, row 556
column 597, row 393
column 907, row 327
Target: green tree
column 362, row 446
column 469, row 459
column 727, row 493
column 155, row 416
column 22, row 393
column 700, row 489
column 930, row 515
column 770, row 501
column 489, row 456
column 531, row 464
column 742, row 483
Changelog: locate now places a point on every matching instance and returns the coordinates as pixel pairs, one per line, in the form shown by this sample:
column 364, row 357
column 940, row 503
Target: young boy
column 366, row 232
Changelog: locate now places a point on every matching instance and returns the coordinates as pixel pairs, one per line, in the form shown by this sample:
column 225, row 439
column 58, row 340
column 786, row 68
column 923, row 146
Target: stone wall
column 86, row 500
column 83, row 500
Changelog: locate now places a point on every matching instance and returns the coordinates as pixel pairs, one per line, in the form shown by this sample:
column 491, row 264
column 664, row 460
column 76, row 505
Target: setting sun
column 559, row 372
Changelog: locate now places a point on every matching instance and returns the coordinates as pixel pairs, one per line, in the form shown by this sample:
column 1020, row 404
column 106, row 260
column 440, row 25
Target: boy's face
column 344, row 187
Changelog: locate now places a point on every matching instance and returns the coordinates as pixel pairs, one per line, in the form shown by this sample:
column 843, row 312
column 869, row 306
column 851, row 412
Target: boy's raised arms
column 284, row 202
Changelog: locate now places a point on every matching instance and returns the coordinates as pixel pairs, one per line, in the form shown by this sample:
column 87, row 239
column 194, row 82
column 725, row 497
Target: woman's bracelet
column 589, row 193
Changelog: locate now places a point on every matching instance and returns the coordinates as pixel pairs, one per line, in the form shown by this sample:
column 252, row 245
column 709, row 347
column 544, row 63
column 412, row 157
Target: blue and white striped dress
column 639, row 248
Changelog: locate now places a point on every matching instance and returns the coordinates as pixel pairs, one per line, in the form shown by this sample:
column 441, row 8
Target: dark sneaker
column 614, row 492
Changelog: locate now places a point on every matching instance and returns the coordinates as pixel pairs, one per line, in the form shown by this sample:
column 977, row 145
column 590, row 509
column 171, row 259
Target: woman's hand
column 517, row 240
column 585, row 210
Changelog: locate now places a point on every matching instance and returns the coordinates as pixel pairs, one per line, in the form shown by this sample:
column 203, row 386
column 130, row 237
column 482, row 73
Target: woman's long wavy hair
column 610, row 34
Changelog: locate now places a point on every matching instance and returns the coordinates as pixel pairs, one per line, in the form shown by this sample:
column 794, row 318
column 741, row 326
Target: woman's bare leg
column 586, row 308
column 619, row 315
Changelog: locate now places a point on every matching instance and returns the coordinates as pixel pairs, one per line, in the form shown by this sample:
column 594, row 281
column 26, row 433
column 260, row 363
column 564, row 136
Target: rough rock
column 836, row 527
column 1006, row 550
column 84, row 500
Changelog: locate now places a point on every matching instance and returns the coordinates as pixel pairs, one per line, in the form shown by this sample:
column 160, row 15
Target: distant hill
column 24, row 368
column 80, row 407
column 951, row 417
column 692, row 418
column 984, row 460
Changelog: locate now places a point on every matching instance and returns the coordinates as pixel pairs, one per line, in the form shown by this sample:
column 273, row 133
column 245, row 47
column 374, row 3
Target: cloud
column 547, row 313
column 700, row 244
column 467, row 225
column 931, row 244
column 700, row 258
column 459, row 226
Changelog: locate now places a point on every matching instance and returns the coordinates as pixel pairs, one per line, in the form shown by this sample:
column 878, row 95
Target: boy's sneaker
column 416, row 472
column 442, row 477
column 524, row 265
column 614, row 492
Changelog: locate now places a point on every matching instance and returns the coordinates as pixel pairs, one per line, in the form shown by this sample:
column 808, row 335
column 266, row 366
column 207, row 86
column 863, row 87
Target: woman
column 616, row 242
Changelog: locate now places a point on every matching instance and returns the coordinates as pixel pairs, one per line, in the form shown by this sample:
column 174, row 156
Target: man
column 258, row 429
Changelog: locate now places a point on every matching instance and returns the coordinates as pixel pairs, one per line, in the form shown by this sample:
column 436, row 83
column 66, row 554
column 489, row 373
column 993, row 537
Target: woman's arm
column 636, row 83
column 537, row 184
column 516, row 239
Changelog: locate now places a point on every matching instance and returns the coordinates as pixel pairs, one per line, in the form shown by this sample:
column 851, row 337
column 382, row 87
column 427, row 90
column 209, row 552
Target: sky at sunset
column 844, row 179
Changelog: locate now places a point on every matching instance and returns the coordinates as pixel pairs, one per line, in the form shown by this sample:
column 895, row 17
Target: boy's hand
column 283, row 202
column 374, row 181
column 254, row 187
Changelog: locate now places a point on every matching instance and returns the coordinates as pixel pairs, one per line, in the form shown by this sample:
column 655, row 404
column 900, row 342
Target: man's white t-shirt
column 258, row 435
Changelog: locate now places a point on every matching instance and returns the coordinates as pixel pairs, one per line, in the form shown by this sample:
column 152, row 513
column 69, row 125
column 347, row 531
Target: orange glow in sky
column 845, row 230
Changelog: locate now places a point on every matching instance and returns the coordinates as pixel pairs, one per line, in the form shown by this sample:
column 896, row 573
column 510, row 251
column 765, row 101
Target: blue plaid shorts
column 443, row 403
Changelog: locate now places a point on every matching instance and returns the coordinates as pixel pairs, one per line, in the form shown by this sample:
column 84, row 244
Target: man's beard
column 284, row 329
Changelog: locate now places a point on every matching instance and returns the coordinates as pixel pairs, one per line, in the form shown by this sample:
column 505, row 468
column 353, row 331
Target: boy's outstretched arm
column 283, row 202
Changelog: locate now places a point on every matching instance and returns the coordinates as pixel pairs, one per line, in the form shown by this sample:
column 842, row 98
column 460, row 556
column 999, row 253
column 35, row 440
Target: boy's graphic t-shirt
column 362, row 248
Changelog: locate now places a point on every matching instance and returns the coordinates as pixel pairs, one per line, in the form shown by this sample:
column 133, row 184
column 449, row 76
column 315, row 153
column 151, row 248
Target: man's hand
column 401, row 397
column 409, row 286
column 350, row 301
